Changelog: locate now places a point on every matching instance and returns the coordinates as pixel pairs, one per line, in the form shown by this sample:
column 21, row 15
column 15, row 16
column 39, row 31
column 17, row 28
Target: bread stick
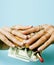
column 19, row 34
column 31, row 30
column 20, row 27
column 11, row 37
column 34, row 38
column 46, row 44
column 40, row 41
column 6, row 41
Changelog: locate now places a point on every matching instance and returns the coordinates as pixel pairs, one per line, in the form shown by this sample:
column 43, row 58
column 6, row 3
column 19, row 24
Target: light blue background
column 27, row 12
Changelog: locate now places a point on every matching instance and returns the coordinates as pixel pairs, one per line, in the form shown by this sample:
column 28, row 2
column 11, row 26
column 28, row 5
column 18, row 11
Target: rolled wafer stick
column 6, row 41
column 34, row 38
column 40, row 41
column 19, row 34
column 20, row 27
column 11, row 37
column 33, row 29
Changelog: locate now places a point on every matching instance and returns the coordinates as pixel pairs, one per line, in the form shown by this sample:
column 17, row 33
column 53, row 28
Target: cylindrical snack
column 20, row 27
column 11, row 37
column 40, row 41
column 31, row 30
column 6, row 41
column 34, row 38
column 46, row 44
column 19, row 34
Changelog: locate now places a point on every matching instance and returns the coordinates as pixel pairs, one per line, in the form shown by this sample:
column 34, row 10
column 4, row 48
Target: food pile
column 27, row 42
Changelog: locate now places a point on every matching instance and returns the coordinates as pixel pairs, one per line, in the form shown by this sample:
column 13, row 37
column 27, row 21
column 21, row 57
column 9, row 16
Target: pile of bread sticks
column 36, row 38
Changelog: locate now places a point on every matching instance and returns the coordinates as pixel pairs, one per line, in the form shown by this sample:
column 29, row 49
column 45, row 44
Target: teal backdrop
column 27, row 12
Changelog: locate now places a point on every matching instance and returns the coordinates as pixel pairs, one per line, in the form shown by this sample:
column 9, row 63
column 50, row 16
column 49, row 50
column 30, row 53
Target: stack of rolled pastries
column 27, row 42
